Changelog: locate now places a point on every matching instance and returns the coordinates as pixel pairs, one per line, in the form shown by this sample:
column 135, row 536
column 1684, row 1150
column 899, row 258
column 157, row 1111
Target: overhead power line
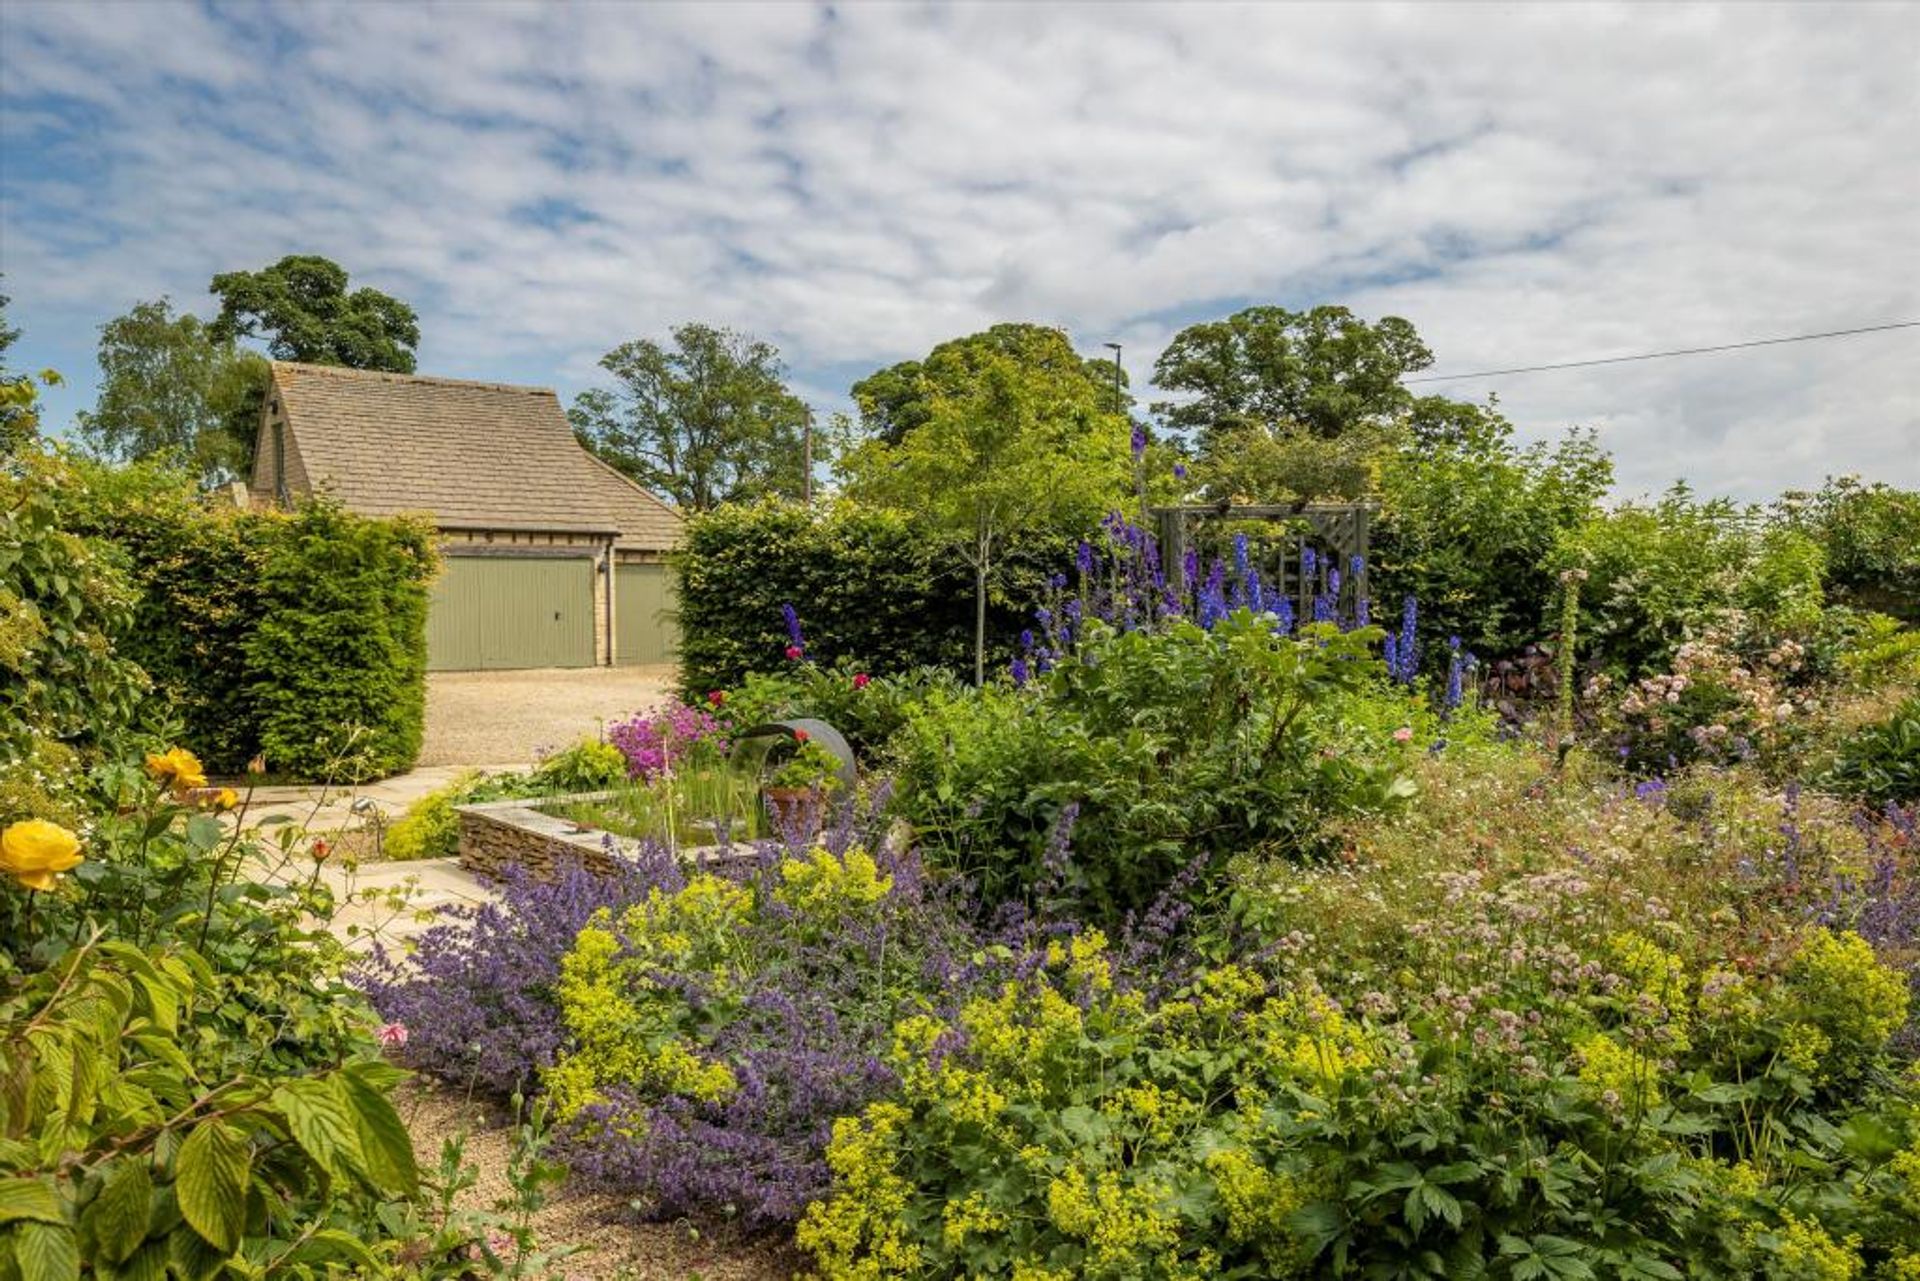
column 1662, row 355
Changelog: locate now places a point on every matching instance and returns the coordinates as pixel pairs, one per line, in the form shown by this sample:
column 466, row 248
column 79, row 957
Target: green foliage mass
column 1171, row 748
column 1880, row 763
column 1871, row 536
column 302, row 309
column 170, row 390
column 262, row 631
column 1324, row 370
column 1015, row 450
column 1469, row 520
column 868, row 587
column 1661, row 573
column 900, row 398
column 707, row 421
column 337, row 662
column 136, row 1138
column 62, row 602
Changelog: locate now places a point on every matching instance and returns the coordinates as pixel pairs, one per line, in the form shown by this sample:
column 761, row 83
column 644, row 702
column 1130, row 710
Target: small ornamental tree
column 1012, row 452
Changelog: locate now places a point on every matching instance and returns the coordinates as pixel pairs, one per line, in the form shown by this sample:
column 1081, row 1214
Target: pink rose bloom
column 793, row 653
column 392, row 1035
column 1403, row 734
column 861, row 680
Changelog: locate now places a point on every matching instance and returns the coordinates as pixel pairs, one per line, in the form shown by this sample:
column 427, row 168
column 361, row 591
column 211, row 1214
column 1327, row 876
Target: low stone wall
column 497, row 834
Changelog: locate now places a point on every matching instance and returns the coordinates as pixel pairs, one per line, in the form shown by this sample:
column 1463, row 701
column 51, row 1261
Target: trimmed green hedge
column 337, row 663
column 866, row 585
column 300, row 636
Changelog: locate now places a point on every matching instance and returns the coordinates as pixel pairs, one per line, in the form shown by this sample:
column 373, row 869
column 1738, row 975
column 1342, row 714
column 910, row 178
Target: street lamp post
column 1136, row 438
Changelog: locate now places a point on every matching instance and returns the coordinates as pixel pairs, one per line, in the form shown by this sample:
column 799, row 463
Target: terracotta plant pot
column 798, row 813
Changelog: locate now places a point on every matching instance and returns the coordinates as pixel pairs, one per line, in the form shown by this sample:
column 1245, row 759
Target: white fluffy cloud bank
column 1526, row 184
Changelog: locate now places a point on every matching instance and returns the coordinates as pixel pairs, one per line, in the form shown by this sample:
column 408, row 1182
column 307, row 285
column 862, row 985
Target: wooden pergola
column 1335, row 532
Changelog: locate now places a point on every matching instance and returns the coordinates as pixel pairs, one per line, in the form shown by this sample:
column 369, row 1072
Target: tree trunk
column 980, row 610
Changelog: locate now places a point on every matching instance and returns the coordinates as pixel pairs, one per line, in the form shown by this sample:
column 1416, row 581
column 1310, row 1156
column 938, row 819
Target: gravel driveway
column 505, row 718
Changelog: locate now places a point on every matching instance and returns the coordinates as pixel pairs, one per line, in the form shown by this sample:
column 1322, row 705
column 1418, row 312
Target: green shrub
column 431, row 829
column 337, row 663
column 1880, row 763
column 865, row 585
column 1871, row 538
column 61, row 603
column 137, row 1136
column 1467, row 524
column 588, row 766
column 1477, row 1117
column 1660, row 574
column 197, row 571
column 868, row 710
column 1166, row 748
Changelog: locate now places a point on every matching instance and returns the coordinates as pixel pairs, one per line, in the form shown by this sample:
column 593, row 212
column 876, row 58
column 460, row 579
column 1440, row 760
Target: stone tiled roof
column 476, row 455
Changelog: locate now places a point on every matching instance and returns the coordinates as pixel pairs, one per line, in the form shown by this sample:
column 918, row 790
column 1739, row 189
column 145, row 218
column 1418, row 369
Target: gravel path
column 614, row 1244
column 497, row 718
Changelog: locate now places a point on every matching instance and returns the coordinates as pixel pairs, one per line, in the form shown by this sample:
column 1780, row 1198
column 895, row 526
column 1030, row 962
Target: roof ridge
column 348, row 371
column 627, row 480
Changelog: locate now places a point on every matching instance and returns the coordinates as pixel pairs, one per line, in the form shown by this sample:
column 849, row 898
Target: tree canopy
column 705, row 421
column 301, row 307
column 1016, row 446
column 170, row 388
column 1324, row 371
column 895, row 400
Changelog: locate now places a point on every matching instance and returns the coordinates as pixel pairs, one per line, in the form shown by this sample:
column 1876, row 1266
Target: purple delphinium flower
column 792, row 618
column 1083, row 557
column 1179, row 471
column 1139, row 440
column 1283, row 621
column 1018, row 669
column 1409, row 653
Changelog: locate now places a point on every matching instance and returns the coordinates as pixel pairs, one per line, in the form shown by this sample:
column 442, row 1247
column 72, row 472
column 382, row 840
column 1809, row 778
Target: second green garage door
column 511, row 611
column 644, row 628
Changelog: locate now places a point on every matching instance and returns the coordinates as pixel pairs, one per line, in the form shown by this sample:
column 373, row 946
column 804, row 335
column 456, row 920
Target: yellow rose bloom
column 227, row 799
column 178, row 768
column 34, row 851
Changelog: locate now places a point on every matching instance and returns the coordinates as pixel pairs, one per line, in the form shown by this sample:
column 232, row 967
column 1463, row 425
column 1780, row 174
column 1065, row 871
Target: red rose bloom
column 800, row 736
column 793, row 653
column 861, row 680
column 716, row 696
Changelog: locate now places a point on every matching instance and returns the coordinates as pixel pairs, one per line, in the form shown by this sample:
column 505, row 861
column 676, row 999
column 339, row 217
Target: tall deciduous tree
column 1325, row 371
column 895, row 400
column 168, row 386
column 301, row 307
column 705, row 421
column 1014, row 447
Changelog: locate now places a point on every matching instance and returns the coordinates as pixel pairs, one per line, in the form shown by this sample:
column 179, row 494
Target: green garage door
column 511, row 611
column 644, row 631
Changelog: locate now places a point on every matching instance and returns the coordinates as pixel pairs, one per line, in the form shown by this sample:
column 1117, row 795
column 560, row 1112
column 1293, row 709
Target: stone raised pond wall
column 496, row 834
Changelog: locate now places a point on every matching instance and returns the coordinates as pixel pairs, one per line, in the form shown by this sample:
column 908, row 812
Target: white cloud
column 1525, row 184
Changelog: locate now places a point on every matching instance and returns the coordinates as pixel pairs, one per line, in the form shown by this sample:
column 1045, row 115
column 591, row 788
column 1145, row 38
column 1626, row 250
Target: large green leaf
column 212, row 1178
column 384, row 1141
column 322, row 1124
column 47, row 1252
column 117, row 1218
column 32, row 1199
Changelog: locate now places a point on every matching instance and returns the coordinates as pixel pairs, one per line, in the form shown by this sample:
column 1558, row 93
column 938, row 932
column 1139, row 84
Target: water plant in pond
column 705, row 806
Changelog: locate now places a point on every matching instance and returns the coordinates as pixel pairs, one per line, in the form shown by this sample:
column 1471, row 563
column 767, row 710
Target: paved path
column 473, row 717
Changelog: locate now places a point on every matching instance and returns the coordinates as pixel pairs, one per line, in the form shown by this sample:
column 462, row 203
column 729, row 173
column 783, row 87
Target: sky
column 855, row 183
